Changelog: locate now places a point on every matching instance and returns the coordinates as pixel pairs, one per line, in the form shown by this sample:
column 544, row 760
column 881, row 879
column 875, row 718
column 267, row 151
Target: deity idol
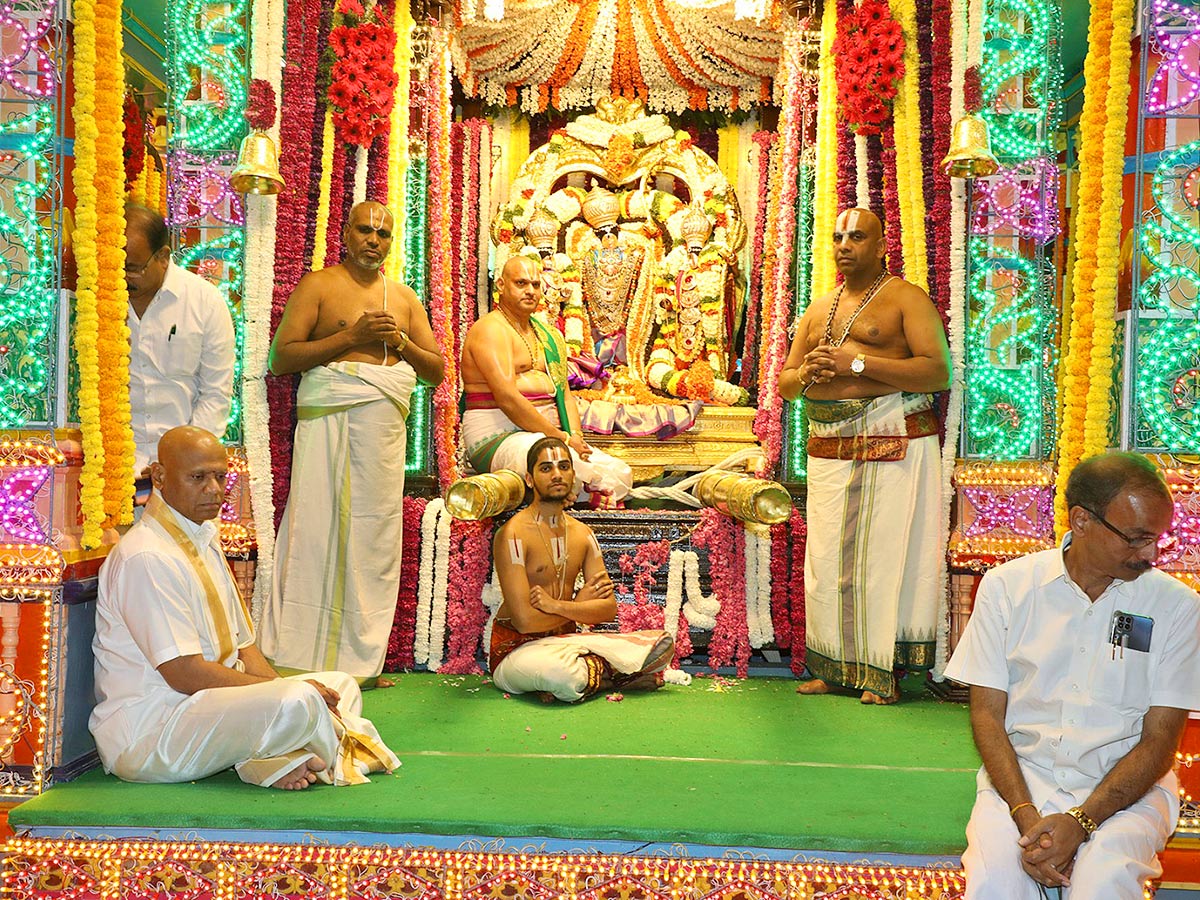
column 610, row 277
column 690, row 354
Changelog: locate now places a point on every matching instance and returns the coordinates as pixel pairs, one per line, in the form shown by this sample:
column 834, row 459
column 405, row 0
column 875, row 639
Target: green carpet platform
column 686, row 791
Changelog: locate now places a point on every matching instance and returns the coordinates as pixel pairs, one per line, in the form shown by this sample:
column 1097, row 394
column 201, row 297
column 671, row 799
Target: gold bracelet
column 1086, row 822
column 400, row 347
column 1013, row 810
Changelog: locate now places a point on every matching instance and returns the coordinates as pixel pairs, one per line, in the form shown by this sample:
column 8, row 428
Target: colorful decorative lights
column 106, row 868
column 1019, row 200
column 1176, row 80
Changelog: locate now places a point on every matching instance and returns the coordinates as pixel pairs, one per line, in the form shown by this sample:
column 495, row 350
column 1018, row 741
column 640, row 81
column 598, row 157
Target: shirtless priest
column 536, row 642
column 514, row 371
column 182, row 690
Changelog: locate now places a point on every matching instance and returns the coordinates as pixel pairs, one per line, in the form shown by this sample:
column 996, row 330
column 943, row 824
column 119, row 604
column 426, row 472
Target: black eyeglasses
column 138, row 271
column 1164, row 541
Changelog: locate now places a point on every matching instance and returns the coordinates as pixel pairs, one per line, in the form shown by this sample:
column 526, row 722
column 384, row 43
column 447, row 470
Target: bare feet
column 546, row 697
column 872, row 699
column 812, row 686
column 301, row 776
column 384, row 682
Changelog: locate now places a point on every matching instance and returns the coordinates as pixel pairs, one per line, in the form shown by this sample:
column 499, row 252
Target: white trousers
column 1112, row 865
column 214, row 729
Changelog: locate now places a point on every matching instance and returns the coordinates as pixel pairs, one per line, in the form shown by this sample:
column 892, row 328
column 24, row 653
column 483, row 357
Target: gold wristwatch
column 1086, row 822
column 859, row 364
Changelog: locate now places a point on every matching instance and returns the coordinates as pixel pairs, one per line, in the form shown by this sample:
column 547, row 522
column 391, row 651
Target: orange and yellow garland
column 101, row 335
column 1088, row 367
column 825, row 193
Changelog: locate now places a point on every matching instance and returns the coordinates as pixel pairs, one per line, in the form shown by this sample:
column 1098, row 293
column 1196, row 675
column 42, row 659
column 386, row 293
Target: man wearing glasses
column 181, row 350
column 1083, row 663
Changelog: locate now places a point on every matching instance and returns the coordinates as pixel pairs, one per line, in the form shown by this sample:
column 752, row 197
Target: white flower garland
column 957, row 331
column 701, row 611
column 360, row 175
column 425, row 583
column 266, row 63
column 441, row 578
column 674, row 592
column 758, row 588
column 485, row 220
column 492, row 597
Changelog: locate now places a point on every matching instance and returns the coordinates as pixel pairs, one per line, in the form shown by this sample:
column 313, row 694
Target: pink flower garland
column 847, row 167
column 891, row 203
column 938, row 218
column 647, row 561
column 781, row 560
column 725, row 541
column 683, row 640
column 799, row 529
column 466, row 616
column 436, row 103
column 768, row 422
column 404, row 623
column 298, row 120
column 377, row 176
column 765, row 141
column 337, row 199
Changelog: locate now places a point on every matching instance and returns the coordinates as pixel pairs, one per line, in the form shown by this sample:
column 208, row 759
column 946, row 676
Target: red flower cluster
column 260, row 105
column 869, row 54
column 135, row 139
column 363, row 88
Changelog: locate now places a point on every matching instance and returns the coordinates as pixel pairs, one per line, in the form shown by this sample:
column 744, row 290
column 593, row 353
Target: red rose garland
column 362, row 89
column 799, row 529
column 298, row 122
column 135, row 139
column 404, row 624
column 337, row 196
column 781, row 562
column 891, row 205
column 869, row 54
column 260, row 105
column 847, row 174
column 938, row 218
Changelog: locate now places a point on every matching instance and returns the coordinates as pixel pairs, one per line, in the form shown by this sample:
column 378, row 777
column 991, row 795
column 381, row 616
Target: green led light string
column 796, row 421
column 208, row 38
column 416, row 260
column 28, row 268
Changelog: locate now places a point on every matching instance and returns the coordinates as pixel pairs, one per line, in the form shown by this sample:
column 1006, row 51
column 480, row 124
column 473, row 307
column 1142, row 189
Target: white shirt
column 152, row 609
column 181, row 356
column 1075, row 703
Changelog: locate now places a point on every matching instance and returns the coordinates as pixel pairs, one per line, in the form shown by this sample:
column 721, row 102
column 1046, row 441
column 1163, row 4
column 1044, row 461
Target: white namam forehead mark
column 553, row 455
column 852, row 220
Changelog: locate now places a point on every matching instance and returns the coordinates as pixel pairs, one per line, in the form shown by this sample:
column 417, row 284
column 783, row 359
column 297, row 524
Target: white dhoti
column 871, row 559
column 575, row 666
column 337, row 559
column 1113, row 864
column 264, row 731
column 493, row 442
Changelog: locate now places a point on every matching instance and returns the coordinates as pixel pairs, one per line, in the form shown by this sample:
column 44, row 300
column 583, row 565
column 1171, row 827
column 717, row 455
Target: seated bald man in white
column 182, row 690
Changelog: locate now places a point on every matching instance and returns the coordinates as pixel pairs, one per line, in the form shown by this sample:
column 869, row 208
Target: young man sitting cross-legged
column 536, row 642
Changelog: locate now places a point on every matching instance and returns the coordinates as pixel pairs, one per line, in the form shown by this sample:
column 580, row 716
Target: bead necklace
column 557, row 553
column 524, row 340
column 874, row 289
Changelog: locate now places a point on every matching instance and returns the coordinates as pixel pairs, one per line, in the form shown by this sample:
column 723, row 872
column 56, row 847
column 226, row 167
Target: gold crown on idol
column 542, row 230
column 695, row 229
column 601, row 208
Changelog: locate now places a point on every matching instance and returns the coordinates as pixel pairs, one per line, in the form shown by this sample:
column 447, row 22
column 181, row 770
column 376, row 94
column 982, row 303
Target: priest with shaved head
column 182, row 690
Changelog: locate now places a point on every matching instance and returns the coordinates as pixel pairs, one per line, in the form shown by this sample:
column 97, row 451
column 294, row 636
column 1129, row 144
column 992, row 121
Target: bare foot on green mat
column 812, row 686
column 301, row 776
column 383, row 681
column 870, row 698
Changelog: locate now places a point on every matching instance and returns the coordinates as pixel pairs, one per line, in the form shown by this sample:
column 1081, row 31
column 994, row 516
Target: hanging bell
column 970, row 153
column 257, row 169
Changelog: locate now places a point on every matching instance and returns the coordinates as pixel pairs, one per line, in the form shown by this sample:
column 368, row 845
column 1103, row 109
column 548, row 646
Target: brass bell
column 970, row 153
column 257, row 169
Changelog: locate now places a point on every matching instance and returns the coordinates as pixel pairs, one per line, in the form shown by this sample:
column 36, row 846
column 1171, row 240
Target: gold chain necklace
column 558, row 560
column 866, row 298
column 524, row 340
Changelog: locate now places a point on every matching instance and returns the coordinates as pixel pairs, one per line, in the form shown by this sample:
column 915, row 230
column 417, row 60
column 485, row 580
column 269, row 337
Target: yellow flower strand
column 1108, row 244
column 909, row 169
column 321, row 232
column 398, row 143
column 729, row 151
column 825, row 195
column 1077, row 363
column 87, row 324
column 518, row 145
column 112, row 297
column 153, row 177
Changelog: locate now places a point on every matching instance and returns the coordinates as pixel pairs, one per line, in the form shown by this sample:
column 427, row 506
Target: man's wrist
column 1086, row 822
column 402, row 342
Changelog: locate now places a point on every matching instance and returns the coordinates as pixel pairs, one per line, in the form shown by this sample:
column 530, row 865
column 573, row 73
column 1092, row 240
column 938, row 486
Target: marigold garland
column 1088, row 364
column 324, row 190
column 87, row 323
column 825, row 193
column 397, row 159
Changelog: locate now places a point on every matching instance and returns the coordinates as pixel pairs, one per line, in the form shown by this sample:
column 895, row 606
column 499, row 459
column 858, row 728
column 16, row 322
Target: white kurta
column 181, row 356
column 1075, row 708
column 337, row 559
column 153, row 607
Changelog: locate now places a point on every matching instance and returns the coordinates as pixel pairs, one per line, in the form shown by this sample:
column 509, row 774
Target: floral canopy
column 570, row 54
